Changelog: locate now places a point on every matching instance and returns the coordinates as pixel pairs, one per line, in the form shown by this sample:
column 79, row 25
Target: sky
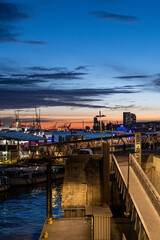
column 72, row 59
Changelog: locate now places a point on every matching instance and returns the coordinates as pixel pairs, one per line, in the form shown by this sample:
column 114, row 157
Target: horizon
column 28, row 121
column 75, row 59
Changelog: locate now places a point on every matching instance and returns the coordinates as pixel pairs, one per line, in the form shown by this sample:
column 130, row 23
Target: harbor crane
column 17, row 119
column 65, row 126
column 54, row 126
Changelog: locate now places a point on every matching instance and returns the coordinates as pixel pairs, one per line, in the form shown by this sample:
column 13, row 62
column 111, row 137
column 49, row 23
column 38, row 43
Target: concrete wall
column 147, row 162
column 156, row 173
column 151, row 167
column 82, row 181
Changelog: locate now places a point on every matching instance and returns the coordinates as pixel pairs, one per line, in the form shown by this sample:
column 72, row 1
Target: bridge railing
column 139, row 224
column 146, row 183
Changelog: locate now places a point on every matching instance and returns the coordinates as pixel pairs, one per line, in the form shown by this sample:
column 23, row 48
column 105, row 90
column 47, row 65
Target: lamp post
column 127, row 213
column 100, row 119
column 49, row 192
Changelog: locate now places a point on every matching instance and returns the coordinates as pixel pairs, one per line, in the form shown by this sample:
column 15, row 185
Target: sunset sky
column 74, row 58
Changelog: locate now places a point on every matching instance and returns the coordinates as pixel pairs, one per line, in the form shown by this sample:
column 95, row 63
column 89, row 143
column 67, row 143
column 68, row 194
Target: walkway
column 149, row 214
column 67, row 229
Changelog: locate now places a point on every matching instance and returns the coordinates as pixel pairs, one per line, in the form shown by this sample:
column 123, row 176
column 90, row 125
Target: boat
column 4, row 183
column 30, row 175
column 58, row 171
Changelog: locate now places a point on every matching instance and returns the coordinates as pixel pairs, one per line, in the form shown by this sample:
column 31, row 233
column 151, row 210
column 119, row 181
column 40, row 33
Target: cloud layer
column 36, row 87
column 52, row 98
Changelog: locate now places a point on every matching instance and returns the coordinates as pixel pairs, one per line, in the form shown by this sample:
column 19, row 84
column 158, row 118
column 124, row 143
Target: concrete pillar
column 106, row 174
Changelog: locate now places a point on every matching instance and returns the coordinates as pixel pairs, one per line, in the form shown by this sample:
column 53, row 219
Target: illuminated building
column 128, row 118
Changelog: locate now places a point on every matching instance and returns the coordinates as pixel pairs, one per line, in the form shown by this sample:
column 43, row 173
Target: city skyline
column 73, row 60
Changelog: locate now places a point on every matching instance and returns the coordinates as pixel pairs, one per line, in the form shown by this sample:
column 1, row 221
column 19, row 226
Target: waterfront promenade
column 141, row 209
column 68, row 229
column 150, row 217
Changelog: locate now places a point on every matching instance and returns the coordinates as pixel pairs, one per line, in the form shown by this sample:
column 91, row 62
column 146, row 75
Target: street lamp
column 127, row 213
column 100, row 116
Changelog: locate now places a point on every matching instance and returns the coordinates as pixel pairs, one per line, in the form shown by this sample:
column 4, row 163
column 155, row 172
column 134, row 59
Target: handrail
column 148, row 186
column 133, row 201
column 115, row 161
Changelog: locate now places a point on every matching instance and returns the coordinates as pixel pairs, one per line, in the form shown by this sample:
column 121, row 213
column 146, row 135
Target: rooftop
column 21, row 136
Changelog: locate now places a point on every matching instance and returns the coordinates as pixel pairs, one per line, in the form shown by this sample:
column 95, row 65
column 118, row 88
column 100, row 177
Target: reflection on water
column 23, row 212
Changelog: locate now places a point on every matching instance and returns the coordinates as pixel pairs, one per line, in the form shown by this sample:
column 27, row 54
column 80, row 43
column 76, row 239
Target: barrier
column 146, row 183
column 136, row 217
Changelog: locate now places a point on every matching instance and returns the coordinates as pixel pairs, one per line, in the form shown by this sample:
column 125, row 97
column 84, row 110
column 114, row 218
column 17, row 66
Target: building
column 128, row 118
column 96, row 125
column 133, row 118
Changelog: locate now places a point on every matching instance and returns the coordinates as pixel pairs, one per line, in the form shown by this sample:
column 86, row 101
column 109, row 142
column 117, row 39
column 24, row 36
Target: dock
column 67, row 229
column 86, row 199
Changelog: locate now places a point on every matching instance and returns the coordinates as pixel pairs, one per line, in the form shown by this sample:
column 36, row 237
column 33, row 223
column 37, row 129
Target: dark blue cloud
column 20, row 81
column 11, row 12
column 112, row 16
column 10, row 15
column 39, row 69
column 52, row 98
column 81, row 68
column 61, row 75
column 133, row 76
column 7, row 33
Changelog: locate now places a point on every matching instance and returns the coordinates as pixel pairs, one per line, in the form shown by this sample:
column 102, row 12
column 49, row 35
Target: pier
column 86, row 197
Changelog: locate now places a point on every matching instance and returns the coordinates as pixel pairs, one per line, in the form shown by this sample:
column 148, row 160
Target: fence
column 136, row 217
column 147, row 185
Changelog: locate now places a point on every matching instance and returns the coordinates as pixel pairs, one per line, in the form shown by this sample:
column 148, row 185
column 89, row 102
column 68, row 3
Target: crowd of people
column 151, row 144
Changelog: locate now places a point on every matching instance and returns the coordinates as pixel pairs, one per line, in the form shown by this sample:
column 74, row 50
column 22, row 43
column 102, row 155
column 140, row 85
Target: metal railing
column 146, row 183
column 139, row 224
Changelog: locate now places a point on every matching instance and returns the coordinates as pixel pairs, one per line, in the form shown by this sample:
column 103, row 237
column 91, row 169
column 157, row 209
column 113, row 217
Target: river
column 23, row 211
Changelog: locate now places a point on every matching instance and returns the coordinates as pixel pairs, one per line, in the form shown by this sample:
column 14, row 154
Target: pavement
column 68, row 229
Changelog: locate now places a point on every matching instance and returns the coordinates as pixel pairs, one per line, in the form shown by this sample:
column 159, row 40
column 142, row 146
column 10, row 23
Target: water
column 23, row 212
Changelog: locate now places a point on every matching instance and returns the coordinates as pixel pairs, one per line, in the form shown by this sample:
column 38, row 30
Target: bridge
column 142, row 199
column 66, row 148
